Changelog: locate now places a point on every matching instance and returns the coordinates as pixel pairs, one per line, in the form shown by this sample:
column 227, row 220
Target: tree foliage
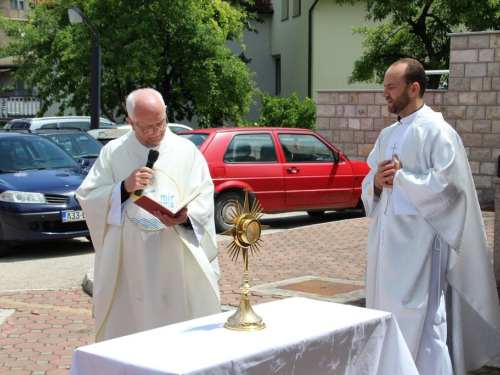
column 417, row 29
column 178, row 47
column 288, row 112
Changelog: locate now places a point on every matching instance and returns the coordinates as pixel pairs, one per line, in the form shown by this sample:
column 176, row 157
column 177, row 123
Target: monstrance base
column 245, row 319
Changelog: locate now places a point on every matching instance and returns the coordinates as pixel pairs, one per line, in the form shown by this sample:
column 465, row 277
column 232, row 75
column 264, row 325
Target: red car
column 286, row 169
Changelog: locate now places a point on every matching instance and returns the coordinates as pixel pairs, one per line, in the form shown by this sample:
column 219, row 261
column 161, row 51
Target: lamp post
column 77, row 16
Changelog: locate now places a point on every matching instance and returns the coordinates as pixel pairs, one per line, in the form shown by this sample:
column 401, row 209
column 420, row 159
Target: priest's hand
column 169, row 221
column 384, row 177
column 397, row 164
column 138, row 179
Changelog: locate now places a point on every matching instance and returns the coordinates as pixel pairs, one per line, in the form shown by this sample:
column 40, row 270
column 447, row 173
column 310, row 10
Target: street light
column 77, row 16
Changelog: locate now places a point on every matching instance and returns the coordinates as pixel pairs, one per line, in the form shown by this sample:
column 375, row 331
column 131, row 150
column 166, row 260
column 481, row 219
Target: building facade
column 15, row 100
column 303, row 46
column 353, row 119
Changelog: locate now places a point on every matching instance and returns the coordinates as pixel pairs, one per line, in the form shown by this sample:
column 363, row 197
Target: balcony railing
column 19, row 103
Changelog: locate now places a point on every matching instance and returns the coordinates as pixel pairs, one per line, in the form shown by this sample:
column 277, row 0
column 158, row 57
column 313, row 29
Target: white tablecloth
column 302, row 336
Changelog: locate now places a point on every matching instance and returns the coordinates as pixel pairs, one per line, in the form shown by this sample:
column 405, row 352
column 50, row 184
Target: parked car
column 177, row 128
column 38, row 181
column 61, row 122
column 82, row 146
column 106, row 135
column 286, row 169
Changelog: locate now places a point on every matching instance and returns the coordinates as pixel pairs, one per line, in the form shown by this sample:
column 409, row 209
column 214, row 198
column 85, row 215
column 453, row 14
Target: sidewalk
column 39, row 329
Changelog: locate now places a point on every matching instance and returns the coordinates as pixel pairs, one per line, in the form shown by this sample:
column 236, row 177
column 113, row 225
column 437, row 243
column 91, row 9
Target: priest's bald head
column 404, row 87
column 147, row 116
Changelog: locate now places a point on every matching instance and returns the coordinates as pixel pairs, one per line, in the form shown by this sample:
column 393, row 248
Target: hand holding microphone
column 141, row 177
column 152, row 157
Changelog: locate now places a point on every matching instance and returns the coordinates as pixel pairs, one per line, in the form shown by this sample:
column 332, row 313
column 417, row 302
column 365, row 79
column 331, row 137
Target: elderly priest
column 151, row 269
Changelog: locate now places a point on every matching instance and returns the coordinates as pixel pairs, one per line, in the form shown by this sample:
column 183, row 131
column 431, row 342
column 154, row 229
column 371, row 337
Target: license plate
column 68, row 216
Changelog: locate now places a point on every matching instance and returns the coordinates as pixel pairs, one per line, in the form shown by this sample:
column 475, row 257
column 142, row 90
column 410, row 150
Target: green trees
column 288, row 112
column 178, row 47
column 418, row 29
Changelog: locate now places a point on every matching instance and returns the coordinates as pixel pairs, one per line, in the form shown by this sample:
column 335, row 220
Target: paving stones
column 45, row 328
column 39, row 329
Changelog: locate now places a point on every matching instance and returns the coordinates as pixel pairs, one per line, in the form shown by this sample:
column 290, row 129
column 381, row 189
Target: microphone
column 152, row 158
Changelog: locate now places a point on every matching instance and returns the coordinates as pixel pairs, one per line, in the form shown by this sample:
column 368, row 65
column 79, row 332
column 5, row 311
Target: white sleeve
column 400, row 200
column 116, row 208
column 370, row 200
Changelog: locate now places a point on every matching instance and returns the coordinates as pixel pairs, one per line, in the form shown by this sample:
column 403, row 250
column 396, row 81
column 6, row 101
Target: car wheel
column 315, row 213
column 5, row 248
column 225, row 207
column 362, row 207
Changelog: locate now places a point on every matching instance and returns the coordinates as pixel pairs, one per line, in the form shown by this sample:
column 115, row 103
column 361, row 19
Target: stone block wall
column 352, row 120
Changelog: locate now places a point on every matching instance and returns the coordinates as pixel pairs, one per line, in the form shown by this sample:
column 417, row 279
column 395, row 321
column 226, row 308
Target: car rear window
column 17, row 154
column 196, row 138
column 78, row 145
column 19, row 125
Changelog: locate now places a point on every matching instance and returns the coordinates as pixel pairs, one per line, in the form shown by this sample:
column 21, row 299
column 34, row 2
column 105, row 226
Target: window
column 196, row 138
column 248, row 148
column 81, row 125
column 305, row 148
column 284, row 10
column 278, row 76
column 52, row 125
column 21, row 125
column 17, row 4
column 296, row 7
column 104, row 124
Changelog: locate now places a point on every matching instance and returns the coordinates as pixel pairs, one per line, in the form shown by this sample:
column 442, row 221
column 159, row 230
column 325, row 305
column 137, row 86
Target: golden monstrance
column 246, row 232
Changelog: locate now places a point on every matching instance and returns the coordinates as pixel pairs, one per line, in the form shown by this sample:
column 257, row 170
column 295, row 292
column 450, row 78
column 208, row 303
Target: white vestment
column 433, row 206
column 147, row 275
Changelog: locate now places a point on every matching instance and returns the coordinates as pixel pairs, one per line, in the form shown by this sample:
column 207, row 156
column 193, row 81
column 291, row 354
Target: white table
column 302, row 336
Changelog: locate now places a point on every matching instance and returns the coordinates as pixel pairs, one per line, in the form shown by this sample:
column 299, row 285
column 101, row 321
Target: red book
column 150, row 205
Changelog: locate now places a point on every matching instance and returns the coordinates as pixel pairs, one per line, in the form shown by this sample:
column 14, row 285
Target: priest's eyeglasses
column 152, row 128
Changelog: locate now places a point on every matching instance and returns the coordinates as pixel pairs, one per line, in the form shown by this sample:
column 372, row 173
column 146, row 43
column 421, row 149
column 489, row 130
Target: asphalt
column 39, row 329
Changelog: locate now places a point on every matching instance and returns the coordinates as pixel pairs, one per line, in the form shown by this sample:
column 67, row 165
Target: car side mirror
column 84, row 162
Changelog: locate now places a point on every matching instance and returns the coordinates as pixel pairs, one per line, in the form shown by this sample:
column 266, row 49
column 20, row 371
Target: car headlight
column 22, row 197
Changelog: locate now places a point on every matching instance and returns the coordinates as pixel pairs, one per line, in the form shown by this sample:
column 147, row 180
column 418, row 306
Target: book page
column 151, row 205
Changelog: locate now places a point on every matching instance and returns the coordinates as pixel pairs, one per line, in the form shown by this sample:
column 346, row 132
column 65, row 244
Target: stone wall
column 352, row 120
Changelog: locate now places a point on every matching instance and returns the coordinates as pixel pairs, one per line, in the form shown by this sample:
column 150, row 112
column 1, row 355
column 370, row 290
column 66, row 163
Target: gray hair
column 134, row 95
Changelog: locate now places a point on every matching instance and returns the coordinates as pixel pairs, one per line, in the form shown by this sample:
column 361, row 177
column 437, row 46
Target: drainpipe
column 309, row 51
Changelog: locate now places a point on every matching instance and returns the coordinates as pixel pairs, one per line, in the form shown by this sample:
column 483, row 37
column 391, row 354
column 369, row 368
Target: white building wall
column 335, row 46
column 258, row 49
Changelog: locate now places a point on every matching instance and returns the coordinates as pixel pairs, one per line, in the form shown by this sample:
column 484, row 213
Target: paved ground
column 41, row 328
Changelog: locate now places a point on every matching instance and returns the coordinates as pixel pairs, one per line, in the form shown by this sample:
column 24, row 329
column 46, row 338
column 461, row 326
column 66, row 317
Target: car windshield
column 196, row 138
column 78, row 145
column 26, row 153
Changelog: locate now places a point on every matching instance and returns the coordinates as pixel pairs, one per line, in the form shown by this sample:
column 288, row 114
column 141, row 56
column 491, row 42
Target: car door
column 313, row 179
column 251, row 158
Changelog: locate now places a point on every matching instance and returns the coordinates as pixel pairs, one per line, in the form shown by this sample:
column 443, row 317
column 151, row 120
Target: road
column 63, row 264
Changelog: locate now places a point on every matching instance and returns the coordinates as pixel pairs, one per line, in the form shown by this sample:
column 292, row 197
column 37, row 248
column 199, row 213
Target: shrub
column 288, row 112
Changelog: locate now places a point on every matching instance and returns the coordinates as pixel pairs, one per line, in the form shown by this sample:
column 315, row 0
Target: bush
column 288, row 112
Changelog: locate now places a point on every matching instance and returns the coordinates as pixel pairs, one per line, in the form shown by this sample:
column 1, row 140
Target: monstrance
column 246, row 232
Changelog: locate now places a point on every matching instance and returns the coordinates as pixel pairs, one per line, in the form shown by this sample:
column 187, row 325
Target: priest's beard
column 399, row 103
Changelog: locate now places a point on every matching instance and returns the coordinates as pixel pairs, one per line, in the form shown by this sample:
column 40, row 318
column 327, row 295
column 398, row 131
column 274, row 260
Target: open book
column 150, row 205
